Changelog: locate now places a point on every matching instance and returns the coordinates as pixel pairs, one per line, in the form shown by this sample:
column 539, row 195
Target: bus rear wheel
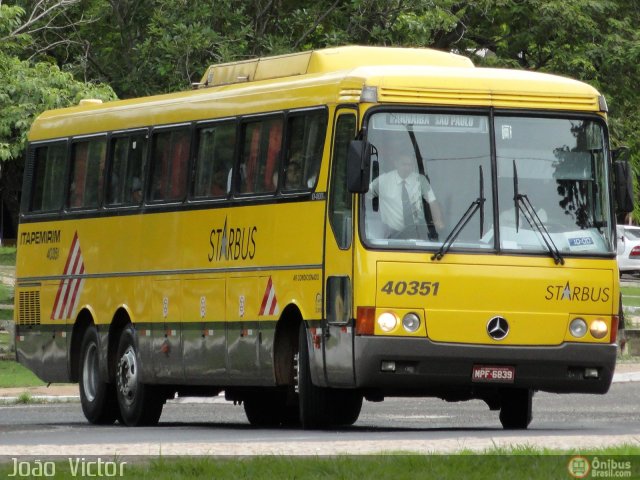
column 98, row 398
column 140, row 404
column 516, row 409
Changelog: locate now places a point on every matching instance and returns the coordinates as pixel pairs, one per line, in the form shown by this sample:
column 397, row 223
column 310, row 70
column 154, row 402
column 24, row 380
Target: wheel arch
column 121, row 319
column 285, row 344
column 84, row 320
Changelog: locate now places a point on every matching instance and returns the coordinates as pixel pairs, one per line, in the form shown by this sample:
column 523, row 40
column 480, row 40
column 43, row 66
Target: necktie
column 407, row 212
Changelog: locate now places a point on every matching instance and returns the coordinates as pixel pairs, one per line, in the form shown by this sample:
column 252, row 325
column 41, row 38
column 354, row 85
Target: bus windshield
column 436, row 183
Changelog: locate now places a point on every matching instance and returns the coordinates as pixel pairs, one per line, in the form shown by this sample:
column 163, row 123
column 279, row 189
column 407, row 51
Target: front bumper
column 423, row 367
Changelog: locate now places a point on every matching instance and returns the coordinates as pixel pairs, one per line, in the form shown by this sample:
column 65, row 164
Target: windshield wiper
column 522, row 203
column 477, row 204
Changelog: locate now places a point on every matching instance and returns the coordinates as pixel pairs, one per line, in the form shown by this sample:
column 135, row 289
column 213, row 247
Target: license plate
column 493, row 374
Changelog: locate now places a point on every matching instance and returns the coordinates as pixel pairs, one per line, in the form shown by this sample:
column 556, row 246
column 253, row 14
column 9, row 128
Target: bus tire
column 313, row 400
column 98, row 398
column 348, row 404
column 140, row 404
column 323, row 407
column 269, row 408
column 516, row 409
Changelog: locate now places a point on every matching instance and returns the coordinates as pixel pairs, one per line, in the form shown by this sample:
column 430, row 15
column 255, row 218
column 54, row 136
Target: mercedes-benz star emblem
column 498, row 328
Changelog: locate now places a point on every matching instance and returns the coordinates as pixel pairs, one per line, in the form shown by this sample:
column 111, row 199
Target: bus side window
column 127, row 166
column 340, row 204
column 306, row 133
column 87, row 173
column 170, row 165
column 262, row 142
column 48, row 176
column 270, row 169
column 214, row 160
column 115, row 190
column 136, row 160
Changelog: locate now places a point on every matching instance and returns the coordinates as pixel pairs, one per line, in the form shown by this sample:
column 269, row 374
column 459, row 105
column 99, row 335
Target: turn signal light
column 365, row 320
column 614, row 328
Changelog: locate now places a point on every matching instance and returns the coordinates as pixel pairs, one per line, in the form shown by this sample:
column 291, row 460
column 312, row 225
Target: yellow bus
column 307, row 231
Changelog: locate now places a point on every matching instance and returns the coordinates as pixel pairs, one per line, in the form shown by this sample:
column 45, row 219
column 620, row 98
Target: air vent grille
column 29, row 307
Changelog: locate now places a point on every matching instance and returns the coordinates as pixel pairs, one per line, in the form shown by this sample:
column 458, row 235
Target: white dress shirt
column 388, row 188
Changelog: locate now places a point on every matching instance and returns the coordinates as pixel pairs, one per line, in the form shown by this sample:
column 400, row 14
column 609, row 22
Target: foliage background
column 55, row 52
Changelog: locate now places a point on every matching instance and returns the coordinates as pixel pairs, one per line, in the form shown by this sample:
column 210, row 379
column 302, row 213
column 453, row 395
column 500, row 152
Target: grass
column 24, row 398
column 4, row 341
column 6, row 294
column 630, row 291
column 630, row 296
column 8, row 256
column 12, row 374
column 631, row 302
column 517, row 462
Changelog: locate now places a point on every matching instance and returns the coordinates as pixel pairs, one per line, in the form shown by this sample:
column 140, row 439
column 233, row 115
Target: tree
column 142, row 47
column 26, row 90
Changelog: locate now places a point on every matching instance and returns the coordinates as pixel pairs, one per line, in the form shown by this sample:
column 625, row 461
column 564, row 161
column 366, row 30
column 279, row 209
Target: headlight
column 387, row 321
column 578, row 327
column 599, row 329
column 411, row 322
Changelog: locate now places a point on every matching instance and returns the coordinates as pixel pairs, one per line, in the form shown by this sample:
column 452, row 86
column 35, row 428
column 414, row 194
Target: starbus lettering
column 232, row 243
column 577, row 293
column 37, row 238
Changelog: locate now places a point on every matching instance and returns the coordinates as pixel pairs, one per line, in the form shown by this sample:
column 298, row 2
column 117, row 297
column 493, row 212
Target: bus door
column 338, row 327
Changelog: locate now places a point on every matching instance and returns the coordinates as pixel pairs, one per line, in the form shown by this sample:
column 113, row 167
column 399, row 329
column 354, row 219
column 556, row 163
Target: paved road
column 412, row 425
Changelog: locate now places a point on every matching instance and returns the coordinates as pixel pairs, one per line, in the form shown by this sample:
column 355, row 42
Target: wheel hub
column 90, row 373
column 128, row 375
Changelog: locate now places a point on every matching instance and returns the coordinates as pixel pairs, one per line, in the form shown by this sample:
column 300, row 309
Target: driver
column 401, row 192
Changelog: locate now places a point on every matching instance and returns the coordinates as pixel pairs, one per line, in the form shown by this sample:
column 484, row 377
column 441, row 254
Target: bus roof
column 326, row 60
column 337, row 75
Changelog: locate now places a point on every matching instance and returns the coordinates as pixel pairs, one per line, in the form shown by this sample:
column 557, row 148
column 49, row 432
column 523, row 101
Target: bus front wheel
column 271, row 407
column 516, row 408
column 140, row 404
column 322, row 407
column 98, row 398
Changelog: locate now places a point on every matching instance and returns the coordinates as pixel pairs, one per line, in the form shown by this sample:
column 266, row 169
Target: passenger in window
column 136, row 191
column 158, row 190
column 294, row 175
column 219, row 182
column 403, row 194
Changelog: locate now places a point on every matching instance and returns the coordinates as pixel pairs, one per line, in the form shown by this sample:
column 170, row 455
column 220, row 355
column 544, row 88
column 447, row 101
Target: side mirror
column 358, row 166
column 623, row 181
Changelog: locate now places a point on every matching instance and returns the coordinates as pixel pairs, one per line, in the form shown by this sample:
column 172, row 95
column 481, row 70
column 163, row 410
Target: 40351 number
column 411, row 288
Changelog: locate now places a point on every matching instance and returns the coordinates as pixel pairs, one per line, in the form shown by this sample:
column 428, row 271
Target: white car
column 628, row 248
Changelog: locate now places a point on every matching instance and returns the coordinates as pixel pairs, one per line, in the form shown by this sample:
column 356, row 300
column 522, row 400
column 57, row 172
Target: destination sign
column 430, row 121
